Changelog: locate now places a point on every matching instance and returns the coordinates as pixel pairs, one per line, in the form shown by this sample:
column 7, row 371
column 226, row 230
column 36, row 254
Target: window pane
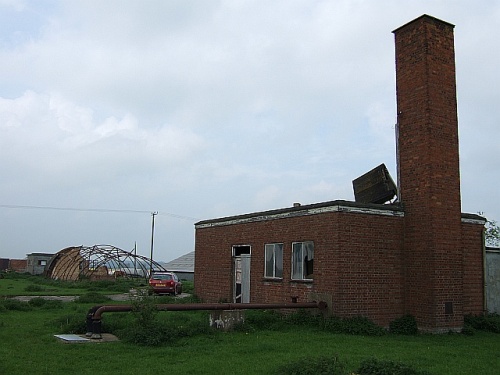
column 308, row 259
column 269, row 261
column 278, row 253
column 297, row 261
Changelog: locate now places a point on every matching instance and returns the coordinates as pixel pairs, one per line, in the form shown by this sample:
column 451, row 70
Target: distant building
column 18, row 265
column 182, row 266
column 37, row 262
column 4, row 264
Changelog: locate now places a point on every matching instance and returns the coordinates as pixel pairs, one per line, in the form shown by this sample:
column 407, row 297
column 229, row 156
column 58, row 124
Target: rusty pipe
column 97, row 315
column 99, row 310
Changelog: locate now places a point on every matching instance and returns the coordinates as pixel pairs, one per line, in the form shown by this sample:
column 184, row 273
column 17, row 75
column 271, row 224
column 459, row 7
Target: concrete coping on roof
column 396, row 210
column 473, row 219
column 306, row 210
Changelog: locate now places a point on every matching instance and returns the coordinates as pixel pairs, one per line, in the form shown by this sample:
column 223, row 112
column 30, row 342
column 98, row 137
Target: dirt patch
column 114, row 297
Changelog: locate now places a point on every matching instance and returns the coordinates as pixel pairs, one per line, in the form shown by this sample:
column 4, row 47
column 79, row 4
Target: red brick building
column 420, row 256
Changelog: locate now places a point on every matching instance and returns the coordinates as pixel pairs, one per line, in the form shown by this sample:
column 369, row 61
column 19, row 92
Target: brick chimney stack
column 428, row 172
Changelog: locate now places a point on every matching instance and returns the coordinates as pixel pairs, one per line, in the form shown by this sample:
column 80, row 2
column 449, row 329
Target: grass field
column 28, row 345
column 27, row 285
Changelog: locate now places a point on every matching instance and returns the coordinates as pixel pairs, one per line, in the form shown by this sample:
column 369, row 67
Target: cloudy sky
column 111, row 110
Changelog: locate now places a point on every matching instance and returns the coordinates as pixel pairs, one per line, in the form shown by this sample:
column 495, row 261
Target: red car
column 165, row 282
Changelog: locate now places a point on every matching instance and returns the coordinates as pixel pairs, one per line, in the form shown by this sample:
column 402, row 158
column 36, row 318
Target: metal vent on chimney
column 375, row 186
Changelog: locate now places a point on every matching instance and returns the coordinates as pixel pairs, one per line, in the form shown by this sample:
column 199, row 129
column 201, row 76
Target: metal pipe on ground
column 95, row 313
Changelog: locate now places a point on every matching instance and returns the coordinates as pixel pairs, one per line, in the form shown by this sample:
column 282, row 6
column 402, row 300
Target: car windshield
column 162, row 277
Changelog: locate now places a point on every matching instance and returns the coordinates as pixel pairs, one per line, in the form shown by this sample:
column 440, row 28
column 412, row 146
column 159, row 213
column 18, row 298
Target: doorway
column 241, row 266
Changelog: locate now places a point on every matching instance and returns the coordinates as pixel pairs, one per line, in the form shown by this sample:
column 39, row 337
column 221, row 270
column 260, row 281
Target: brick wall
column 357, row 261
column 428, row 172
column 473, row 273
column 18, row 265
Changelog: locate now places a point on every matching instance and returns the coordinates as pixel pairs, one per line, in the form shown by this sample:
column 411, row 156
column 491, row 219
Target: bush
column 34, row 288
column 71, row 323
column 485, row 322
column 14, row 305
column 468, row 330
column 146, row 326
column 303, row 317
column 148, row 330
column 92, row 297
column 187, row 286
column 313, row 366
column 357, row 325
column 406, row 325
column 374, row 366
column 262, row 319
column 45, row 303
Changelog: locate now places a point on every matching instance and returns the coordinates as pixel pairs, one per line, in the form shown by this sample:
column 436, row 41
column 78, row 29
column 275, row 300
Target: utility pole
column 135, row 258
column 153, row 214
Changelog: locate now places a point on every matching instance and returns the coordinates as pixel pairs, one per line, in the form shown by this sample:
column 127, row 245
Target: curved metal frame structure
column 99, row 262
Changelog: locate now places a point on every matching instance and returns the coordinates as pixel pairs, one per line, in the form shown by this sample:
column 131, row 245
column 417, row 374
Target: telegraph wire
column 101, row 210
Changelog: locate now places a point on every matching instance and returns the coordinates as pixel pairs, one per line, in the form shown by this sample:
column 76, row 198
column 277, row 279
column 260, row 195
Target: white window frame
column 274, row 247
column 306, row 248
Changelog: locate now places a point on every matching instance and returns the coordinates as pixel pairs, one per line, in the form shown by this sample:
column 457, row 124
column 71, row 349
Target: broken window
column 274, row 260
column 302, row 260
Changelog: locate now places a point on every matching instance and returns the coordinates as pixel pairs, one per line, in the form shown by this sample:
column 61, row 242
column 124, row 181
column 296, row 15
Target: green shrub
column 485, row 322
column 92, row 297
column 147, row 326
column 15, row 305
column 187, row 287
column 374, row 366
column 313, row 366
column 468, row 330
column 405, row 325
column 71, row 323
column 45, row 303
column 261, row 319
column 34, row 288
column 163, row 329
column 303, row 317
column 358, row 325
column 161, row 299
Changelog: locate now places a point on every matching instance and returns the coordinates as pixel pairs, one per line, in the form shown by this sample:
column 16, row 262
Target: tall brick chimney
column 428, row 172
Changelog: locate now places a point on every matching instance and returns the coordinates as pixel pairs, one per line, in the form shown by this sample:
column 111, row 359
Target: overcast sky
column 110, row 110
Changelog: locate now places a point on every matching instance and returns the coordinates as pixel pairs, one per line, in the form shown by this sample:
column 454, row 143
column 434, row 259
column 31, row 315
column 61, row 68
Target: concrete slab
column 72, row 338
column 80, row 339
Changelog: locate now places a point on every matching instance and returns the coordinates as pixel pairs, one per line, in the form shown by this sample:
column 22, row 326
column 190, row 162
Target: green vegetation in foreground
column 266, row 344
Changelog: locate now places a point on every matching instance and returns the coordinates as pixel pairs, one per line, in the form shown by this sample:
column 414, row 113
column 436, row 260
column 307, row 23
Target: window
column 274, row 260
column 42, row 262
column 302, row 260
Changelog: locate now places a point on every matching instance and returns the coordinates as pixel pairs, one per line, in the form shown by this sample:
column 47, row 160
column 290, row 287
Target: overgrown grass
column 27, row 342
column 267, row 343
column 15, row 284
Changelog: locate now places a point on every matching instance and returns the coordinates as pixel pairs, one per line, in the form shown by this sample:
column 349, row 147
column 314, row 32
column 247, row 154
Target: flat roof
column 395, row 209
column 306, row 210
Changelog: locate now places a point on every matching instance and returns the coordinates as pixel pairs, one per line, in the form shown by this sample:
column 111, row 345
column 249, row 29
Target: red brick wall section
column 473, row 275
column 369, row 267
column 357, row 261
column 18, row 265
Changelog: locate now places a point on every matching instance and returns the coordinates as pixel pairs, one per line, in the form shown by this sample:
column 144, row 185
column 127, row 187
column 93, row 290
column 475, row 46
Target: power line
column 101, row 210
